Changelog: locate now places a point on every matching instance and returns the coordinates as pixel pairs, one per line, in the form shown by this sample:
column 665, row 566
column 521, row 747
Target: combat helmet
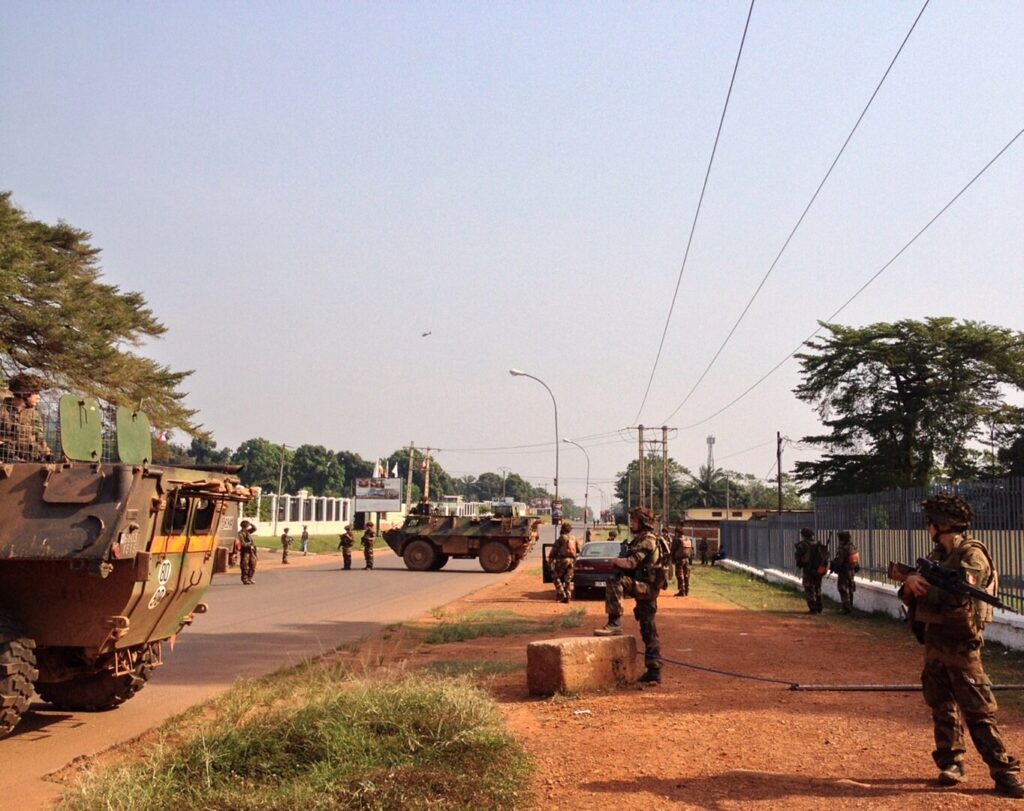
column 246, row 524
column 946, row 509
column 643, row 516
column 566, row 528
column 806, row 532
column 843, row 535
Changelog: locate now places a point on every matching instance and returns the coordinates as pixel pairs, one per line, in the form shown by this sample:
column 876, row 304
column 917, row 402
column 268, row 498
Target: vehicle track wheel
column 495, row 557
column 17, row 673
column 419, row 556
column 439, row 563
column 98, row 691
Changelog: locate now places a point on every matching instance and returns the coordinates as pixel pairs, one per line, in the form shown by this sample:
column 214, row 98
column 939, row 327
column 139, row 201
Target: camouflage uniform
column 810, row 557
column 638, row 581
column 286, row 543
column 702, row 547
column 345, row 545
column 681, row 558
column 955, row 685
column 845, row 571
column 562, row 559
column 246, row 552
column 369, row 538
column 22, row 438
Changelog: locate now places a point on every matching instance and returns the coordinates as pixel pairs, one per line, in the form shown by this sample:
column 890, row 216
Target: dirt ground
column 703, row 740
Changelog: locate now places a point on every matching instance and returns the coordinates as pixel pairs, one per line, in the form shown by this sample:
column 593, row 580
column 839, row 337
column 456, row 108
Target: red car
column 594, row 567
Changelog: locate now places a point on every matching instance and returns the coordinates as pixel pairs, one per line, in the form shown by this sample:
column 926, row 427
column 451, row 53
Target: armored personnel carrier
column 426, row 542
column 103, row 557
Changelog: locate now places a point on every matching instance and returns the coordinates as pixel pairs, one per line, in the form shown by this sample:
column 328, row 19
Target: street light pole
column 280, row 484
column 521, row 373
column 586, row 492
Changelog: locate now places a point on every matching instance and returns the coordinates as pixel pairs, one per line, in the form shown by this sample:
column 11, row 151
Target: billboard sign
column 378, row 495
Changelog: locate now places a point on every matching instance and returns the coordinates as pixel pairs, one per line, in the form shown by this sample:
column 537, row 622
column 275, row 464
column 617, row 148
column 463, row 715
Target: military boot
column 652, row 676
column 613, row 628
column 1009, row 785
column 953, row 775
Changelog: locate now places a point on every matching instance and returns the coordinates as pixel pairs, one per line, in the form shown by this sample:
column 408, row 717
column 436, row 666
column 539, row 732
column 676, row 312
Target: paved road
column 290, row 613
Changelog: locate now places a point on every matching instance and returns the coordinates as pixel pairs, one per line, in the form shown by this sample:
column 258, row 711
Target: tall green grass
column 320, row 742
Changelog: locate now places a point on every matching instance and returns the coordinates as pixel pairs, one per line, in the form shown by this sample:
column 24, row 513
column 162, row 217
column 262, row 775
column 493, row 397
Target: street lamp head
column 516, row 372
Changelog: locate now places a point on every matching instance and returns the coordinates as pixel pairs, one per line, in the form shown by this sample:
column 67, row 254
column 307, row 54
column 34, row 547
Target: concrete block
column 581, row 663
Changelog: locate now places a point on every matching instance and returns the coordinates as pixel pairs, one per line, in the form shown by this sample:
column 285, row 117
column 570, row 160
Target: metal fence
column 890, row 526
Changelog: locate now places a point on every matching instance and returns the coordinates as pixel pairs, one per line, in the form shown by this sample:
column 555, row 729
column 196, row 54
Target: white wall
column 1006, row 628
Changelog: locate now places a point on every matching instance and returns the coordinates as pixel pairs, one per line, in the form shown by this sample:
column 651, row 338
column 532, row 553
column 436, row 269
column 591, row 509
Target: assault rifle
column 946, row 579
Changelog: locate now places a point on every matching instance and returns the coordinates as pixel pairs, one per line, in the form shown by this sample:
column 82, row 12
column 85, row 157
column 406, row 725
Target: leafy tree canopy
column 58, row 320
column 903, row 401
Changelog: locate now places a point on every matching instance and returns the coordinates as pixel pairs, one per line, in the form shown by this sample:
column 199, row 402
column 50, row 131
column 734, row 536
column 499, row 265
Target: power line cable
column 800, row 220
column 860, row 289
column 696, row 214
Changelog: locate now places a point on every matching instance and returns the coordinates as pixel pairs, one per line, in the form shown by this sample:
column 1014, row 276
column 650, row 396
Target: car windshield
column 602, row 549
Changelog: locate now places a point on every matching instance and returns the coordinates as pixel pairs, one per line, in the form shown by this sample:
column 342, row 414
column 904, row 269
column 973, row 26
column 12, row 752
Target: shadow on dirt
column 739, row 787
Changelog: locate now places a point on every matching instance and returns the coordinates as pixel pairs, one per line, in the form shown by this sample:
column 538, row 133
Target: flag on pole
column 376, row 469
column 394, row 471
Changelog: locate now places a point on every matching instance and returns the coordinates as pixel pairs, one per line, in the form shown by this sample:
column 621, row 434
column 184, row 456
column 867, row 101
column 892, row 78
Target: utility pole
column 664, row 475
column 642, row 479
column 408, row 477
column 778, row 464
column 426, row 474
column 504, row 473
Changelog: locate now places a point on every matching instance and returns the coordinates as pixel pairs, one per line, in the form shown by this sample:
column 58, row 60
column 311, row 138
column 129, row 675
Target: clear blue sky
column 301, row 189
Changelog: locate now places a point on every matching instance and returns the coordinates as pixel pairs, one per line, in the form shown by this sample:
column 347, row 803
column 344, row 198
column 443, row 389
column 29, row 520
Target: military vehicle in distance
column 500, row 540
column 103, row 556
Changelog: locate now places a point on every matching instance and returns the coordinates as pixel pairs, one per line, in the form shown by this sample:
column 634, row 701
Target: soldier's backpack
column 661, row 562
column 818, row 557
column 983, row 611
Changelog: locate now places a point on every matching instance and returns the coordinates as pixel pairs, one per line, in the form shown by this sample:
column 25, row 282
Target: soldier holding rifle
column 950, row 621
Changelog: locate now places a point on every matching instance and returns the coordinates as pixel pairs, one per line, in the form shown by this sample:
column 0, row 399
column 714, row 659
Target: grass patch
column 477, row 624
column 573, row 618
column 320, row 742
column 455, row 668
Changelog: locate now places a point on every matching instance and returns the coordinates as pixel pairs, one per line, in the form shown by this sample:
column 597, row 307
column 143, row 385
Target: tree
column 707, row 489
column 262, row 464
column 317, row 469
column 517, row 488
column 488, row 486
column 904, row 400
column 205, row 452
column 627, row 484
column 352, row 467
column 60, row 321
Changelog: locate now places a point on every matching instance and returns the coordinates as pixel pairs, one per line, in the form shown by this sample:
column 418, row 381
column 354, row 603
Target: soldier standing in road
column 22, row 438
column 345, row 545
column 369, row 538
column 954, row 682
column 682, row 556
column 812, row 560
column 246, row 552
column 642, row 580
column 562, row 559
column 846, row 564
column 286, row 543
column 305, row 540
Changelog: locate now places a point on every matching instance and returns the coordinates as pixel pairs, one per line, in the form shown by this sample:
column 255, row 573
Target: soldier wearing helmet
column 640, row 580
column 346, row 543
column 247, row 555
column 21, row 425
column 562, row 560
column 682, row 557
column 846, row 564
column 812, row 560
column 955, row 685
